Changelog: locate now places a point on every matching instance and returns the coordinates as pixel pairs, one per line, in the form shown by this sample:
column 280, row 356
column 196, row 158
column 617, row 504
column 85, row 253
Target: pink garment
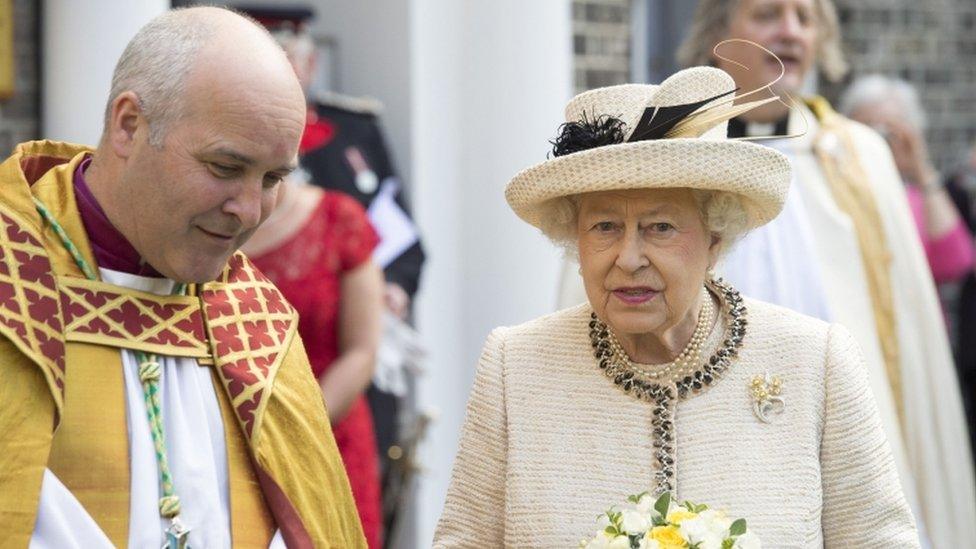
column 308, row 268
column 951, row 255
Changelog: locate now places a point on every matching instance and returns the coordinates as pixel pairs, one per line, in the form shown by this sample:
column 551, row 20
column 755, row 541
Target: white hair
column 723, row 214
column 157, row 60
column 560, row 223
column 154, row 65
column 876, row 88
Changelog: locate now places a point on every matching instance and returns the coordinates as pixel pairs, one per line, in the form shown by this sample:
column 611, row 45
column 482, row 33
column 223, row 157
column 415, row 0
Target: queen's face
column 644, row 255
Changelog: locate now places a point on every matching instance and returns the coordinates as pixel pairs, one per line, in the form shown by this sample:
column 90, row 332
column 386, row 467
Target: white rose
column 600, row 541
column 645, row 506
column 619, row 542
column 674, row 506
column 649, row 544
column 693, row 529
column 697, row 530
column 747, row 541
column 716, row 522
column 711, row 541
column 634, row 522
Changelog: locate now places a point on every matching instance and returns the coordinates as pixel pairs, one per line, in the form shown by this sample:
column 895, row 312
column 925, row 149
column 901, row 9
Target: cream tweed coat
column 549, row 442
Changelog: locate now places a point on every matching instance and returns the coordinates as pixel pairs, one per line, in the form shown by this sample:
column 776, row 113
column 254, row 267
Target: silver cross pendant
column 177, row 535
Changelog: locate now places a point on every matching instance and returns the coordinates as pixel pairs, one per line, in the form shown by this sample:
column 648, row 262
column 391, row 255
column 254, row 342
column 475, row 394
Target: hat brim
column 758, row 174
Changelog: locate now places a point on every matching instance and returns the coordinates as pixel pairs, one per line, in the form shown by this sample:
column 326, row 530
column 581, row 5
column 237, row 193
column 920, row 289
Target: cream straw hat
column 674, row 135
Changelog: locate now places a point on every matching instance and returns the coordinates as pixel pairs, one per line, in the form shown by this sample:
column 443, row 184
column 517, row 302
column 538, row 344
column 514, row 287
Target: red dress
column 308, row 269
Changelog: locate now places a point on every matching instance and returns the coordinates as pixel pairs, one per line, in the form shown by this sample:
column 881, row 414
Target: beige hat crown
column 627, row 102
column 690, row 151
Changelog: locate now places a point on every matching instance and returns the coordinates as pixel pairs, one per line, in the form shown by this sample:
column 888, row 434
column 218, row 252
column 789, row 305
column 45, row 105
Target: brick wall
column 930, row 43
column 601, row 43
column 20, row 115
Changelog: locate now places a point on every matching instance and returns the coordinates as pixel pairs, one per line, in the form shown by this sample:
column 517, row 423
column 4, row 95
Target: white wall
column 374, row 59
column 472, row 93
column 489, row 81
column 80, row 49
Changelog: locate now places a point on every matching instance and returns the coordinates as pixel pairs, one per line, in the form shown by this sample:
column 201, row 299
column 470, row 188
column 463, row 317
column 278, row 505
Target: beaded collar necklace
column 686, row 362
column 681, row 379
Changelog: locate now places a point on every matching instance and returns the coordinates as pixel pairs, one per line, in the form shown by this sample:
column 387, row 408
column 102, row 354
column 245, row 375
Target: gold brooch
column 765, row 396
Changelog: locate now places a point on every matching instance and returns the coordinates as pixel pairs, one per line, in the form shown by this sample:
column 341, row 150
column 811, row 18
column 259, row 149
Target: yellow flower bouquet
column 664, row 524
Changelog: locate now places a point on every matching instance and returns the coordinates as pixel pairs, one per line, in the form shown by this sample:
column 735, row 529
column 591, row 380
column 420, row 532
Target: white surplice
column 931, row 451
column 196, row 452
column 774, row 263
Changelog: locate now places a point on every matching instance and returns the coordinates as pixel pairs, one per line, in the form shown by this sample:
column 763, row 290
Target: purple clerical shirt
column 111, row 249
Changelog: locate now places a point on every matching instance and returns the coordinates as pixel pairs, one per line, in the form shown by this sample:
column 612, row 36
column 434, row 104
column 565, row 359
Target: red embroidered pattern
column 98, row 313
column 250, row 325
column 246, row 319
column 29, row 313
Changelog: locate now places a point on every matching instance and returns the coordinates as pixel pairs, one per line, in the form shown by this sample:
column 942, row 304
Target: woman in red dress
column 316, row 248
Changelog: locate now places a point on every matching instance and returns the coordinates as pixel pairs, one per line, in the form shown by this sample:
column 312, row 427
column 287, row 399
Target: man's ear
column 124, row 121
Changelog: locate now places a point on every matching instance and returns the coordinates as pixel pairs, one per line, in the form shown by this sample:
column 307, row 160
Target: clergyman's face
column 788, row 28
column 197, row 198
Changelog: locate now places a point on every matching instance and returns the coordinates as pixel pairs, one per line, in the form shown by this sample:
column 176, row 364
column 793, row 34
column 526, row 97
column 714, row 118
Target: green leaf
column 728, row 543
column 663, row 503
column 658, row 521
column 635, row 499
column 738, row 527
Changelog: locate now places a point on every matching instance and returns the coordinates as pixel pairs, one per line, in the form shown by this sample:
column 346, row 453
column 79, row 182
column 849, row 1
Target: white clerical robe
column 196, row 450
column 934, row 434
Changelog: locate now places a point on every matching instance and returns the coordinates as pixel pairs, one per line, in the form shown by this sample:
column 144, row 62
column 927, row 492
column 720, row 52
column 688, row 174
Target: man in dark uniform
column 343, row 149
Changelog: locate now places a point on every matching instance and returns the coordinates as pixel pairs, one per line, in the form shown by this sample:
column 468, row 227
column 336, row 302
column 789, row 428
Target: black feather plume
column 656, row 122
column 588, row 134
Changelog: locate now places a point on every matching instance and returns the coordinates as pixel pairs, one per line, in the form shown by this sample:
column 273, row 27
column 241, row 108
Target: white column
column 488, row 82
column 82, row 43
column 373, row 59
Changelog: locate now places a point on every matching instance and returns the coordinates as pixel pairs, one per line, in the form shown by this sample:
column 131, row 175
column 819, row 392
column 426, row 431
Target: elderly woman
column 667, row 380
column 893, row 108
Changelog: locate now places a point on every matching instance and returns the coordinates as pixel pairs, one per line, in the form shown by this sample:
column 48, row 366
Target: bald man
column 155, row 390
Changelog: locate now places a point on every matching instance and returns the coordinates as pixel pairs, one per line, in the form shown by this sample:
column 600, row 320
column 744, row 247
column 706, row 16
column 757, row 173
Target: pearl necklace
column 683, row 378
column 689, row 372
column 687, row 361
